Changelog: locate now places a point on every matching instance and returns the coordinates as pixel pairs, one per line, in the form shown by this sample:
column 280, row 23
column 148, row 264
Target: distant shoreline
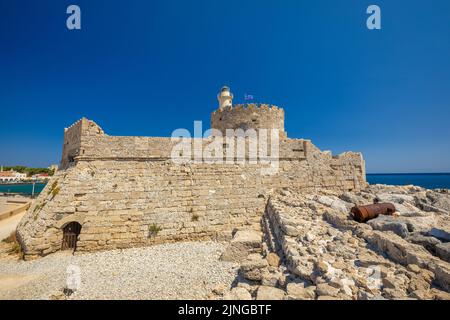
column 22, row 183
column 436, row 180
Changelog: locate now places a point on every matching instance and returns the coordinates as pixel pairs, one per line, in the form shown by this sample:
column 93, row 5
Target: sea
column 25, row 189
column 426, row 180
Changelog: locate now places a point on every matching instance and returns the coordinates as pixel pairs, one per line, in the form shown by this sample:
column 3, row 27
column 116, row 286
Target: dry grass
column 55, row 191
column 16, row 248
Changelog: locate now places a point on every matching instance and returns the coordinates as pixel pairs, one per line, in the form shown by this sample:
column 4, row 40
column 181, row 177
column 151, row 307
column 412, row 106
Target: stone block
column 269, row 293
column 443, row 251
column 244, row 242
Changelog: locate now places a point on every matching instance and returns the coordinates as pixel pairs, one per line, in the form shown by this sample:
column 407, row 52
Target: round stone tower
column 249, row 116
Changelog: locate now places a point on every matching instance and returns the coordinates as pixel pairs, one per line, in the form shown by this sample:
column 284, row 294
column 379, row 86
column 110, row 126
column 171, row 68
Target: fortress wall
column 113, row 147
column 110, row 147
column 87, row 140
column 117, row 201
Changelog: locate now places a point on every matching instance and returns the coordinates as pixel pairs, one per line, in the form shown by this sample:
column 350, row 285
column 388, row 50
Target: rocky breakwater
column 312, row 248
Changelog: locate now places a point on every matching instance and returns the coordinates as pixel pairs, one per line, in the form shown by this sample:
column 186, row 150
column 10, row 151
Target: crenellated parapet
column 249, row 116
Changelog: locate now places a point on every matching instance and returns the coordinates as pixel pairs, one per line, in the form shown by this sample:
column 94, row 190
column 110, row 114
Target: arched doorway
column 70, row 235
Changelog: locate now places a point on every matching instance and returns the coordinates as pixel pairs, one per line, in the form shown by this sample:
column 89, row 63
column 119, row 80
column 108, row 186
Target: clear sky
column 149, row 67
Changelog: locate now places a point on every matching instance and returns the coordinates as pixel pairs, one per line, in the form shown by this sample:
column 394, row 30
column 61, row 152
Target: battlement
column 75, row 126
column 249, row 116
column 251, row 106
column 75, row 136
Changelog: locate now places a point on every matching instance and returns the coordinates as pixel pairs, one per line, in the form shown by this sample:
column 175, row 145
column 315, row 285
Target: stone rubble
column 313, row 248
column 244, row 242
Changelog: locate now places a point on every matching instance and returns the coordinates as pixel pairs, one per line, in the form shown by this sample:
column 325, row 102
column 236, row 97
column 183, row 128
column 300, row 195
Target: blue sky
column 149, row 67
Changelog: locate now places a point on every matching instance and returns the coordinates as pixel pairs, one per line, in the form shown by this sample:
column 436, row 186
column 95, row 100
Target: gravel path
column 188, row 270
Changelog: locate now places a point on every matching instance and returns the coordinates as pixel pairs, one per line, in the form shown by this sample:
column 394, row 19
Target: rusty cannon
column 365, row 213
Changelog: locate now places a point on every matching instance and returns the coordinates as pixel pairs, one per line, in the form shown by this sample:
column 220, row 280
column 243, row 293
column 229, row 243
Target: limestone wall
column 120, row 189
column 143, row 148
column 72, row 144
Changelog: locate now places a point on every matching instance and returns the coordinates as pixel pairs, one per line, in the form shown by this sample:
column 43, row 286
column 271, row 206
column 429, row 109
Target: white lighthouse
column 225, row 98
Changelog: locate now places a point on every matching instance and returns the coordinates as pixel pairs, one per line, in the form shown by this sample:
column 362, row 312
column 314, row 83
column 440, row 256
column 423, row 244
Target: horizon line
column 405, row 173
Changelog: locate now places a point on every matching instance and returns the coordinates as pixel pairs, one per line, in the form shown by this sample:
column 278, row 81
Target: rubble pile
column 311, row 247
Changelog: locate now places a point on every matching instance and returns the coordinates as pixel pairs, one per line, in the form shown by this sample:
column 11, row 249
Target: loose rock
column 269, row 293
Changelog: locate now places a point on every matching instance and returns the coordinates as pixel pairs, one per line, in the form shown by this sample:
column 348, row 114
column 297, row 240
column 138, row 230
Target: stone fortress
column 119, row 192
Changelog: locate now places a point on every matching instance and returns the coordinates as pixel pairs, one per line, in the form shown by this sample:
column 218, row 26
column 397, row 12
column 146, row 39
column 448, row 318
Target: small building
column 41, row 176
column 11, row 176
